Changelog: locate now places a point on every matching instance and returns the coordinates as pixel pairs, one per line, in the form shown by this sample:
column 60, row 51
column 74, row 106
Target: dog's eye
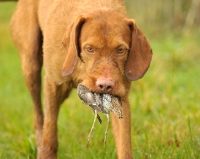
column 89, row 49
column 121, row 51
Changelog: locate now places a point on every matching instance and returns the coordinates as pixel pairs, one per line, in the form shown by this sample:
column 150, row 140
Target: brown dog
column 80, row 41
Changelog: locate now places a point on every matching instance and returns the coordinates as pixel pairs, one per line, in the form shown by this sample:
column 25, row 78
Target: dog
column 92, row 42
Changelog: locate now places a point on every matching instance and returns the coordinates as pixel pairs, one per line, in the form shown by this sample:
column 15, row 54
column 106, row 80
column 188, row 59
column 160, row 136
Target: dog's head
column 111, row 49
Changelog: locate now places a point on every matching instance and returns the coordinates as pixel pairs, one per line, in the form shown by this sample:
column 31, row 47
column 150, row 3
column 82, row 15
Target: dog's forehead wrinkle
column 103, row 36
column 106, row 33
column 106, row 43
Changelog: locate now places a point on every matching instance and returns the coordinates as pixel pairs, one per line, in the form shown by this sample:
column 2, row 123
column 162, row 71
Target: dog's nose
column 105, row 85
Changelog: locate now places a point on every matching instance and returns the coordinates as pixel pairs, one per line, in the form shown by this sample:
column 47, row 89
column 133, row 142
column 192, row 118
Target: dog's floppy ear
column 140, row 54
column 71, row 43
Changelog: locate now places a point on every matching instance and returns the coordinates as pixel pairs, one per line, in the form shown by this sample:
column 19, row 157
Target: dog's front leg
column 122, row 132
column 54, row 96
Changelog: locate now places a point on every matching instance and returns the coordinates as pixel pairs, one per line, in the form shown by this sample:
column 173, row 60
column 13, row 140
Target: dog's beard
column 104, row 103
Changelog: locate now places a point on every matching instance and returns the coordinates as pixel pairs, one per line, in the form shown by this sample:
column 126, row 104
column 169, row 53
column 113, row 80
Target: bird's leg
column 92, row 128
column 99, row 118
column 106, row 132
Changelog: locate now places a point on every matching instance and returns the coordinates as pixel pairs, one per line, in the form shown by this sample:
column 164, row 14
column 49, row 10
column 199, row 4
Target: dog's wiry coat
column 91, row 42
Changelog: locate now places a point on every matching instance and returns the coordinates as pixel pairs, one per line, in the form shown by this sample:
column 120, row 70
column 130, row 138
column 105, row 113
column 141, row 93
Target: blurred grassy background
column 165, row 103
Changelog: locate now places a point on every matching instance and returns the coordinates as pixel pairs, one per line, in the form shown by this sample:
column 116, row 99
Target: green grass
column 165, row 105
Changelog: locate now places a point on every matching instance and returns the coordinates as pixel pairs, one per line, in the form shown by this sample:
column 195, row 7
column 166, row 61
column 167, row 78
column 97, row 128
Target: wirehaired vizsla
column 92, row 42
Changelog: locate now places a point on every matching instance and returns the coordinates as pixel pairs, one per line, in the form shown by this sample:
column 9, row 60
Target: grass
column 165, row 105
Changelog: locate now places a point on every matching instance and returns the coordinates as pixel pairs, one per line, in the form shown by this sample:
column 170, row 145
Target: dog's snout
column 105, row 85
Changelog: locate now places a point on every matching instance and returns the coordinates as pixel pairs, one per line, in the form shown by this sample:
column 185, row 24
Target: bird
column 104, row 103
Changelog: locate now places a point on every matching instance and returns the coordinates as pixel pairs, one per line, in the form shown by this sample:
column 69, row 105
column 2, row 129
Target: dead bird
column 104, row 103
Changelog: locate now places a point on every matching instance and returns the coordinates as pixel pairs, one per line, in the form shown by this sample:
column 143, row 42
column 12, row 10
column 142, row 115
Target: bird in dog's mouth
column 104, row 103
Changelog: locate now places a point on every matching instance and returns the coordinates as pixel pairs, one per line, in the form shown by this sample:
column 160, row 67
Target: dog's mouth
column 104, row 103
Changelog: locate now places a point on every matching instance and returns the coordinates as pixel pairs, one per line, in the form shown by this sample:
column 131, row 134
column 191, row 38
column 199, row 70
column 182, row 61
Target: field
column 165, row 105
